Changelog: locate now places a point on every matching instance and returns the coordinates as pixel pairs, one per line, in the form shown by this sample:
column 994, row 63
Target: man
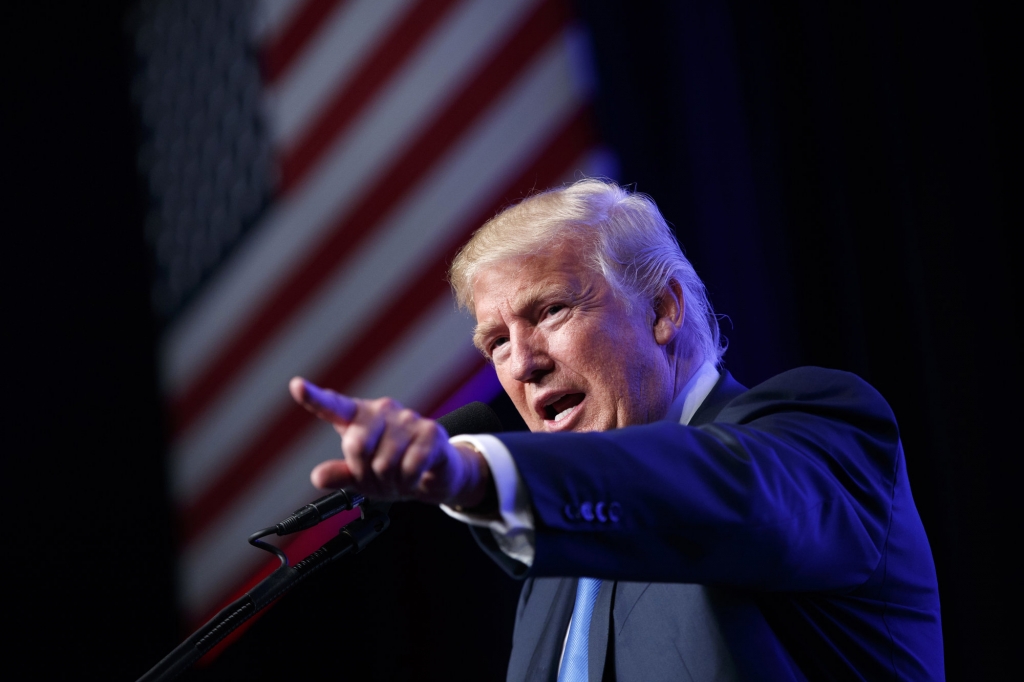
column 671, row 523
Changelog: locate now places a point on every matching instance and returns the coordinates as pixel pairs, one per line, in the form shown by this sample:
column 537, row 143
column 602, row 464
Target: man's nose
column 530, row 359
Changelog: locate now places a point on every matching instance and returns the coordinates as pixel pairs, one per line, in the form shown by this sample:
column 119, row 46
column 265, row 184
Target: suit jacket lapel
column 556, row 596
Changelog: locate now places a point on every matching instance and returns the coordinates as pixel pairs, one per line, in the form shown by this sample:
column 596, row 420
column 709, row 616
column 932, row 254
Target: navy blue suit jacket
column 774, row 538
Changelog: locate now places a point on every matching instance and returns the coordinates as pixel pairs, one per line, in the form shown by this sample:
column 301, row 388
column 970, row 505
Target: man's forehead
column 521, row 283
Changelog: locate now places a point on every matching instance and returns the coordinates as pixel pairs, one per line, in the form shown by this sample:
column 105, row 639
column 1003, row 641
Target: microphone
column 476, row 417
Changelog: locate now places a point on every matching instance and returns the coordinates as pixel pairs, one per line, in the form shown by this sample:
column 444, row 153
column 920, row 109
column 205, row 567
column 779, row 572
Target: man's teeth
column 560, row 415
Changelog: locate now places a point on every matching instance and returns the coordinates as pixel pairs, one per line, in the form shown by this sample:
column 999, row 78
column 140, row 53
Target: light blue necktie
column 574, row 658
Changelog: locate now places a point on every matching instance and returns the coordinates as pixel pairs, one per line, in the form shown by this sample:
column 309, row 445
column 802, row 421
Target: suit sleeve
column 790, row 488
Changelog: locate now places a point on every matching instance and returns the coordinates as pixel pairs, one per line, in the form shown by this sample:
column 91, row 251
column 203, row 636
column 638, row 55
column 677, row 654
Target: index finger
column 324, row 403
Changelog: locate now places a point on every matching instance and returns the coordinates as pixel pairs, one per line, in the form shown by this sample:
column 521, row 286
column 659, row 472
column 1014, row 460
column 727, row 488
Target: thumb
column 334, row 473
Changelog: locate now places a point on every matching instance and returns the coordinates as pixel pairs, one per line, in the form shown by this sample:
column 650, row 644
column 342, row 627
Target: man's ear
column 669, row 313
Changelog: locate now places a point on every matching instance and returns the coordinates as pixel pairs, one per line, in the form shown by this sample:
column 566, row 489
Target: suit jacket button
column 572, row 513
column 587, row 511
column 599, row 512
column 614, row 510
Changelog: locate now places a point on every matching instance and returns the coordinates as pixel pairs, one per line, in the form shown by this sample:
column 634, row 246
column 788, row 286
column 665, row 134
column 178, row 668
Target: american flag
column 313, row 166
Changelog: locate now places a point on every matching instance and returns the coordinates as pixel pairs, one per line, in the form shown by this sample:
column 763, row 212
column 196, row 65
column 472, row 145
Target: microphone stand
column 352, row 538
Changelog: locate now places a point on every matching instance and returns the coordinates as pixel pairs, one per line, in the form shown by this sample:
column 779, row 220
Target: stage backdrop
column 313, row 166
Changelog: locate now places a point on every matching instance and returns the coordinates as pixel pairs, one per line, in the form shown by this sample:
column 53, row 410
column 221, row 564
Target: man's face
column 567, row 350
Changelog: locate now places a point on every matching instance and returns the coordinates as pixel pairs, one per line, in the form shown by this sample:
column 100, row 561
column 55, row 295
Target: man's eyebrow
column 482, row 331
column 532, row 297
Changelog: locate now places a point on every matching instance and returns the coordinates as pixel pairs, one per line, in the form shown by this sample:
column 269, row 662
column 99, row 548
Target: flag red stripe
column 376, row 70
column 351, row 230
column 280, row 54
column 568, row 144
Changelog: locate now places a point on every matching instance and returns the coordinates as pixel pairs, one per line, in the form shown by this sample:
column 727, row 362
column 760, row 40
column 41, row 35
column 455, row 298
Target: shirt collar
column 693, row 394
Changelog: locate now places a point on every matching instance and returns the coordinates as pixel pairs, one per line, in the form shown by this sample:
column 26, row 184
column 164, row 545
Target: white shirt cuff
column 513, row 530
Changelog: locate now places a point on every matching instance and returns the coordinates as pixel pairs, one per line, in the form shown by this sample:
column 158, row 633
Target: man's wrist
column 480, row 496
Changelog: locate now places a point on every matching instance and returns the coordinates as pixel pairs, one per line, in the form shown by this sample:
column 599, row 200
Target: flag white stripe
column 294, row 225
column 505, row 139
column 326, row 64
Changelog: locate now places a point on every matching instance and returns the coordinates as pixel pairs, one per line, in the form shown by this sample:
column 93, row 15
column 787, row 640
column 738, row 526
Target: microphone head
column 475, row 417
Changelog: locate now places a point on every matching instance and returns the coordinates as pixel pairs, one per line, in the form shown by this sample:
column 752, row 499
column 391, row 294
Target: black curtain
column 90, row 554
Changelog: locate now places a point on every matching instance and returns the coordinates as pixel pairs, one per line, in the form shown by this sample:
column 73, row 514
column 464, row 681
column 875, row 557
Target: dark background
column 838, row 173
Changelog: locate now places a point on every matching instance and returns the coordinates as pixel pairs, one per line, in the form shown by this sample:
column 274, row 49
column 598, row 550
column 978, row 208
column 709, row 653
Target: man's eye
column 500, row 341
column 554, row 309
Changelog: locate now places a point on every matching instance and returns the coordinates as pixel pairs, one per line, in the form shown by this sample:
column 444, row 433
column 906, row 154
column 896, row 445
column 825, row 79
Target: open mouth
column 561, row 408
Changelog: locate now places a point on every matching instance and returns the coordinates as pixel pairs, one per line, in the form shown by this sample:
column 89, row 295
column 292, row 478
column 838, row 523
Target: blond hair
column 618, row 233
